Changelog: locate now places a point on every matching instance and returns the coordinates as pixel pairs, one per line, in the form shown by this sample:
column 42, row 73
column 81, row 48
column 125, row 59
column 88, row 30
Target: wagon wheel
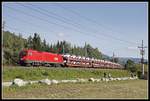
column 28, row 64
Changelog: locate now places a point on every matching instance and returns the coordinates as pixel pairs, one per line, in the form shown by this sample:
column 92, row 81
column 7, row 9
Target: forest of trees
column 13, row 44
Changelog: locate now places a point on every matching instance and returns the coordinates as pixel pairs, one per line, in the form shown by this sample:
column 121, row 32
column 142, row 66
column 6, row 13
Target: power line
column 93, row 21
column 48, row 21
column 16, row 29
column 42, row 19
column 51, row 23
column 56, row 16
column 48, row 14
column 53, row 15
column 21, row 20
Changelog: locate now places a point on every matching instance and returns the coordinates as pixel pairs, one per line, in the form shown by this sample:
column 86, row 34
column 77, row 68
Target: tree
column 96, row 53
column 51, row 48
column 30, row 42
column 93, row 52
column 44, row 45
column 89, row 50
column 37, row 42
column 47, row 48
column 54, row 48
column 12, row 45
column 130, row 65
column 63, row 47
column 85, row 48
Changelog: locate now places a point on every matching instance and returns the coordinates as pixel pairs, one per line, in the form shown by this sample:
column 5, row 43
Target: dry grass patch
column 112, row 89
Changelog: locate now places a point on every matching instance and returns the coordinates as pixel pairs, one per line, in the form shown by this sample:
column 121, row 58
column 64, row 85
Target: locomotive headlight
column 55, row 58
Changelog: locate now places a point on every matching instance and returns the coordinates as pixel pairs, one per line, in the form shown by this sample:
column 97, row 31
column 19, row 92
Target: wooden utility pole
column 142, row 52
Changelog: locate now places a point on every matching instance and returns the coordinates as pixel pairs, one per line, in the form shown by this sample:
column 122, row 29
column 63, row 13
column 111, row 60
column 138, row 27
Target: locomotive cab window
column 23, row 53
column 30, row 53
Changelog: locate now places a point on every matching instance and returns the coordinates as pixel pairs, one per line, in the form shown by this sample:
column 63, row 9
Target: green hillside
column 13, row 44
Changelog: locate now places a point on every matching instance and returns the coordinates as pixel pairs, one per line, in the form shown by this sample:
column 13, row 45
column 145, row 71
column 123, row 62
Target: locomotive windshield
column 23, row 53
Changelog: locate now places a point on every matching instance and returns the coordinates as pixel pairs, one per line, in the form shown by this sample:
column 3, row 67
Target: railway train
column 28, row 57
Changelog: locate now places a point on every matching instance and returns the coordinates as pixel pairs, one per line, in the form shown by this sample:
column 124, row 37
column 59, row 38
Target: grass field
column 36, row 73
column 130, row 89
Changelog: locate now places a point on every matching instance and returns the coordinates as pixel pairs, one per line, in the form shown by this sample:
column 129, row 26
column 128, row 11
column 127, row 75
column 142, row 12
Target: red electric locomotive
column 37, row 58
column 33, row 57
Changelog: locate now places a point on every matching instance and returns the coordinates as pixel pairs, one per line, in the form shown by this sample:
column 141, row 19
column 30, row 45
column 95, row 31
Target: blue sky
column 112, row 27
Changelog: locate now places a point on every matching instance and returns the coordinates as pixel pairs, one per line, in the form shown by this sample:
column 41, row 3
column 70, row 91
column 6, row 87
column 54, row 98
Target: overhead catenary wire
column 36, row 26
column 56, row 16
column 15, row 29
column 48, row 14
column 49, row 21
column 95, row 36
column 27, row 22
column 95, row 22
